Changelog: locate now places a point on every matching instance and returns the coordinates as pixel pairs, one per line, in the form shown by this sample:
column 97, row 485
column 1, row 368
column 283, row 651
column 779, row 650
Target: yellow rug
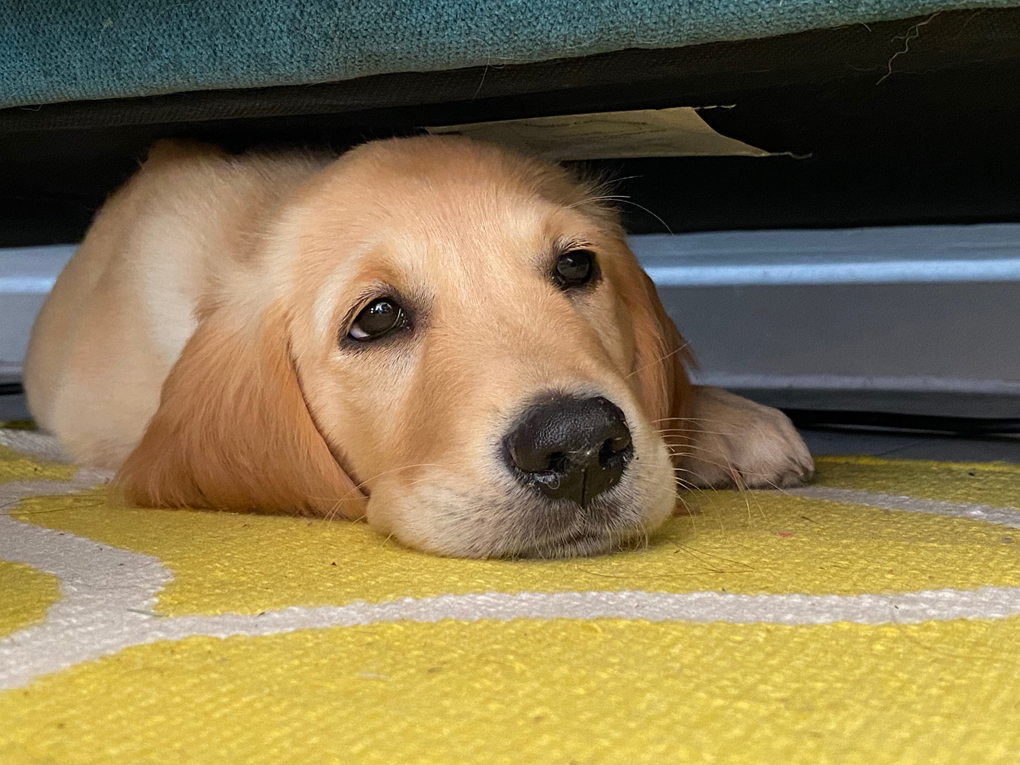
column 873, row 617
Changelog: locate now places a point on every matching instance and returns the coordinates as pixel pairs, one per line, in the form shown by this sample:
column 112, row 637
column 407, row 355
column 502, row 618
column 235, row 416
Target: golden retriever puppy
column 443, row 337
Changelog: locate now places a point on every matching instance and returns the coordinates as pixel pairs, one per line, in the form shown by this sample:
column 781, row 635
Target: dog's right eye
column 378, row 319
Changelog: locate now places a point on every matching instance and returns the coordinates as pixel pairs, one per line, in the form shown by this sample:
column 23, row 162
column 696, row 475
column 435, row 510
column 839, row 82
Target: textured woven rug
column 873, row 617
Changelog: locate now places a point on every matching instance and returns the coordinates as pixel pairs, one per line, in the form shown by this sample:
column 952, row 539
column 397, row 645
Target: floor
column 12, row 408
column 903, row 445
column 913, row 446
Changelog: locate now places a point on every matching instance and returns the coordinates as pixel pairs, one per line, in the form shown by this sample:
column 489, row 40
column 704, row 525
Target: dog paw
column 738, row 443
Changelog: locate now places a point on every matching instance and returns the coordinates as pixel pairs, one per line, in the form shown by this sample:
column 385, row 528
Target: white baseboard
column 852, row 383
column 906, row 254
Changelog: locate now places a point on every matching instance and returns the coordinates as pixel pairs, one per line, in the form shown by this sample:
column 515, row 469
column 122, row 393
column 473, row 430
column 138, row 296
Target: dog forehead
column 440, row 175
column 451, row 193
column 440, row 217
column 440, row 263
column 452, row 159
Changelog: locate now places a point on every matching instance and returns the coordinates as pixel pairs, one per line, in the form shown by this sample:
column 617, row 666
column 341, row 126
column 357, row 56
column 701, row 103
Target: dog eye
column 574, row 268
column 377, row 319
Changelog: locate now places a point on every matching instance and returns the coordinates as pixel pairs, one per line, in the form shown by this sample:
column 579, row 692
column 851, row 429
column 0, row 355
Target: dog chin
column 518, row 524
column 582, row 544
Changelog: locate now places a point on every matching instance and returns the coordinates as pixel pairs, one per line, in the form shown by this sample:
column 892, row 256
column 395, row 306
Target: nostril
column 533, row 459
column 613, row 449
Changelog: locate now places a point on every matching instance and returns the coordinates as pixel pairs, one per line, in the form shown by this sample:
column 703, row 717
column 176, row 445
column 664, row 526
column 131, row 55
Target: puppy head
column 446, row 338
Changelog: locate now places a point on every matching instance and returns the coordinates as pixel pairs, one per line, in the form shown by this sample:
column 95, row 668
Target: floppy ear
column 660, row 365
column 233, row 432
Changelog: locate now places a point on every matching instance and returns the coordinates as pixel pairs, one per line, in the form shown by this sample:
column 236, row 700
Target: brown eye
column 378, row 319
column 574, row 269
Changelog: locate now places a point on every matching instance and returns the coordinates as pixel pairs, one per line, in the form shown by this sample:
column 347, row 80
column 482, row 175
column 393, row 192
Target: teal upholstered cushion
column 65, row 50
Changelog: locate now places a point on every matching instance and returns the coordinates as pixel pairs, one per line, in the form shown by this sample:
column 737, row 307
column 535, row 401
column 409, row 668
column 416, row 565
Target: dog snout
column 570, row 448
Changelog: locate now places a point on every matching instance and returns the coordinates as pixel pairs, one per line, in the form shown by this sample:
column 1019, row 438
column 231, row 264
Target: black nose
column 570, row 448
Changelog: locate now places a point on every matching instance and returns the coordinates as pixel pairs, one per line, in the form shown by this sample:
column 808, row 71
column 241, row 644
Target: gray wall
column 942, row 336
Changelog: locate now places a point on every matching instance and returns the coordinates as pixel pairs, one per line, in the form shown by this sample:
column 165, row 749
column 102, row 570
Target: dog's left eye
column 378, row 319
column 574, row 269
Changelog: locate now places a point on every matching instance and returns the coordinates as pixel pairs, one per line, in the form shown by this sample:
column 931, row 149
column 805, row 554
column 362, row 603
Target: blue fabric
column 65, row 50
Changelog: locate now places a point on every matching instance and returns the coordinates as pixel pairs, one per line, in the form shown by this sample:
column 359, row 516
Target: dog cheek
column 405, row 514
column 381, row 511
column 437, row 518
column 655, row 480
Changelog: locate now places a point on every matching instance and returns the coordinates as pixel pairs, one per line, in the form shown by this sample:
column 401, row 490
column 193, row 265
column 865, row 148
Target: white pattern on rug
column 1000, row 516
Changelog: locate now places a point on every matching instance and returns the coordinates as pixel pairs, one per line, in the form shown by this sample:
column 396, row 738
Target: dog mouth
column 581, row 543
